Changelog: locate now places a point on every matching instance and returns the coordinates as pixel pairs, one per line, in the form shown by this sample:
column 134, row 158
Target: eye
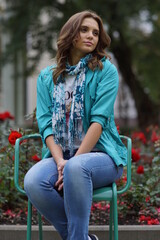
column 83, row 29
column 96, row 33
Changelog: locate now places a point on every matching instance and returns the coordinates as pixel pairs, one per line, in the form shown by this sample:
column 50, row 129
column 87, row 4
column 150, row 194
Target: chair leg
column 110, row 221
column 40, row 226
column 115, row 212
column 29, row 220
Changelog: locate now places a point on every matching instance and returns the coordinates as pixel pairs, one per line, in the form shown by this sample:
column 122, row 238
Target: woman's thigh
column 100, row 166
column 45, row 171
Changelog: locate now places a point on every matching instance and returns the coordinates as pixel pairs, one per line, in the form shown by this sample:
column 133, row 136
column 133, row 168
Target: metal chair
column 110, row 193
column 101, row 194
column 19, row 188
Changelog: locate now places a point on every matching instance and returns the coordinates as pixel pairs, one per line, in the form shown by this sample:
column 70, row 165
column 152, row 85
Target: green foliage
column 142, row 199
column 10, row 197
column 135, row 48
column 141, row 202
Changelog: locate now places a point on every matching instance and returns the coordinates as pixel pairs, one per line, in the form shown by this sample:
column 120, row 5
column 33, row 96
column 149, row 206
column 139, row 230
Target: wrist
column 59, row 160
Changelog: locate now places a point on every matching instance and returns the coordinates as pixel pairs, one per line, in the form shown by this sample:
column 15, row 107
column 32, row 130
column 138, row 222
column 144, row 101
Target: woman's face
column 87, row 38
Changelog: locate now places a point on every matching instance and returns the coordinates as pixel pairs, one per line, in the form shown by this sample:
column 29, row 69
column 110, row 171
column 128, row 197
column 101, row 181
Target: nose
column 90, row 35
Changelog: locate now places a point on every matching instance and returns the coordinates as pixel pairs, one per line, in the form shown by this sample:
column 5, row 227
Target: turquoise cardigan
column 101, row 87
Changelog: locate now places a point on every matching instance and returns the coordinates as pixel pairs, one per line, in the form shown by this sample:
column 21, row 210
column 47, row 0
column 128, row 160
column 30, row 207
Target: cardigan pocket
column 93, row 87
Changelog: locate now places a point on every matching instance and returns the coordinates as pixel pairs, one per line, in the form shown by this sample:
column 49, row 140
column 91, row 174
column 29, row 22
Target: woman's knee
column 72, row 167
column 74, row 171
column 30, row 181
column 43, row 174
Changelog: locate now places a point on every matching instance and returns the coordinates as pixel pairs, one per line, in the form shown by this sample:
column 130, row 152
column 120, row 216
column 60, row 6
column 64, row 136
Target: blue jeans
column 70, row 213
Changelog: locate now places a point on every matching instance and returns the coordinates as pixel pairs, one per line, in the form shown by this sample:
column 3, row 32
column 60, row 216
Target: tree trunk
column 148, row 111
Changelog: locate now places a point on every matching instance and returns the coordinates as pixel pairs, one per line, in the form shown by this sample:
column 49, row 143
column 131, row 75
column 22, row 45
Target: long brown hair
column 67, row 35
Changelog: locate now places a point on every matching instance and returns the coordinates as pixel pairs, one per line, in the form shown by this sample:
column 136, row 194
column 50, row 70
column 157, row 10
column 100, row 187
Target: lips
column 88, row 43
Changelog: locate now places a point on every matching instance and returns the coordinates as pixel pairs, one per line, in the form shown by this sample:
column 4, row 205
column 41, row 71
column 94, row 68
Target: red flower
column 142, row 218
column 92, row 208
column 9, row 213
column 154, row 137
column 139, row 136
column 98, row 205
column 6, row 115
column 140, row 169
column 13, row 137
column 124, row 179
column 36, row 158
column 135, row 155
column 153, row 221
column 158, row 210
column 2, row 116
column 147, row 198
column 118, row 129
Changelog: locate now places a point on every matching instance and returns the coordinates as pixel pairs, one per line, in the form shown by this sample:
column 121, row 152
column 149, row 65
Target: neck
column 75, row 57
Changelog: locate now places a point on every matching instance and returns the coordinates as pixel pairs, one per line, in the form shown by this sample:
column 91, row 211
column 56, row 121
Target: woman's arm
column 44, row 118
column 55, row 149
column 44, row 104
column 102, row 107
column 90, row 139
column 57, row 154
column 106, row 92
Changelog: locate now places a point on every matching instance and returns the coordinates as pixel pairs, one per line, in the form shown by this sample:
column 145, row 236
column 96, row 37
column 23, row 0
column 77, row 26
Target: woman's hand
column 60, row 166
column 57, row 154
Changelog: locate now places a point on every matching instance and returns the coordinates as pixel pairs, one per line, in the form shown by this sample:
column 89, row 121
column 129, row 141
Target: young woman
column 75, row 100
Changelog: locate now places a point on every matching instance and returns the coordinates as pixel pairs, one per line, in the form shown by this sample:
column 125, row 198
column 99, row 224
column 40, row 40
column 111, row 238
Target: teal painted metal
column 102, row 194
column 16, row 182
column 16, row 163
column 110, row 193
column 111, row 221
column 29, row 220
column 40, row 226
column 129, row 160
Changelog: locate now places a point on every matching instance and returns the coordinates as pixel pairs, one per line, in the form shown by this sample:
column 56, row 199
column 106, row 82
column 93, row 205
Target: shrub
column 30, row 151
column 142, row 200
column 140, row 203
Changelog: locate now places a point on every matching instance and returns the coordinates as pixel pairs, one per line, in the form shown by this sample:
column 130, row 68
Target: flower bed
column 142, row 200
column 140, row 205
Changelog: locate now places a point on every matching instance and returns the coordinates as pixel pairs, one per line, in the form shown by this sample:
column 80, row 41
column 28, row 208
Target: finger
column 60, row 187
column 60, row 180
column 60, row 174
column 60, row 168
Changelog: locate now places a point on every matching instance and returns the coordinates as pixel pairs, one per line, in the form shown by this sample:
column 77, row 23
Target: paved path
column 12, row 232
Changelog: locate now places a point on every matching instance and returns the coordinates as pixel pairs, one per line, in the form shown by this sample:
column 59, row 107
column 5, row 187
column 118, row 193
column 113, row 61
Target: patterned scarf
column 77, row 106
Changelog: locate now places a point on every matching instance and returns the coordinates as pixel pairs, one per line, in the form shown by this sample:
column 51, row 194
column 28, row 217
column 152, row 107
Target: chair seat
column 103, row 194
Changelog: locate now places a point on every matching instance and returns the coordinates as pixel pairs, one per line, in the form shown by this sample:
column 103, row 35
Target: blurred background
column 28, row 33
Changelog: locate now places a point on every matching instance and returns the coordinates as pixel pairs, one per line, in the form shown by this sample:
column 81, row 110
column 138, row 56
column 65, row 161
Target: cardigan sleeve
column 44, row 106
column 106, row 92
